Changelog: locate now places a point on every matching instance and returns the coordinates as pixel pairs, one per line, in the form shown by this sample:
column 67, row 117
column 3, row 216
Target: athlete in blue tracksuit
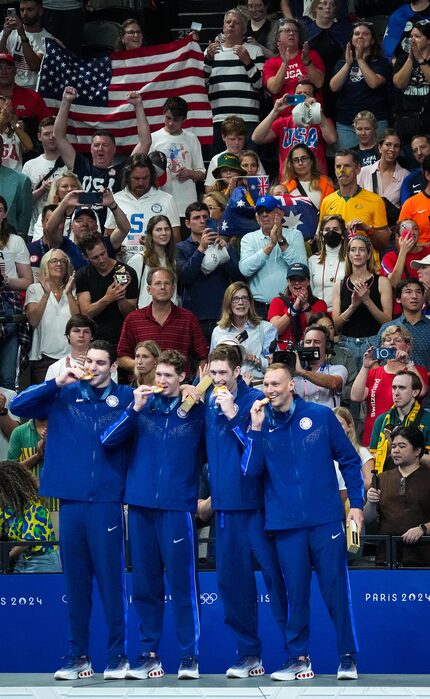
column 238, row 502
column 89, row 481
column 162, row 493
column 295, row 443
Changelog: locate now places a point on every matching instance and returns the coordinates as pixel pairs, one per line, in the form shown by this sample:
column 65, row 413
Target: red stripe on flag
column 178, row 64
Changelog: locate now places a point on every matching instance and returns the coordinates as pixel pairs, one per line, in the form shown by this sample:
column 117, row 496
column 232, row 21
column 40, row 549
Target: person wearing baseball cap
column 26, row 103
column 7, row 57
column 267, row 253
column 289, row 311
column 423, row 269
column 298, row 270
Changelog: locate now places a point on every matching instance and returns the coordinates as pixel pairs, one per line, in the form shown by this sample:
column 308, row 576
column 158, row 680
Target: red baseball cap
column 7, row 57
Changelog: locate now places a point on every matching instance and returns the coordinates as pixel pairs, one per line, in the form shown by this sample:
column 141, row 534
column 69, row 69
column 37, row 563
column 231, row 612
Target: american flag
column 157, row 72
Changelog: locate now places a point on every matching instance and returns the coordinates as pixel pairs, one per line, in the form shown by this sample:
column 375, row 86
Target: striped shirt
column 234, row 88
column 181, row 331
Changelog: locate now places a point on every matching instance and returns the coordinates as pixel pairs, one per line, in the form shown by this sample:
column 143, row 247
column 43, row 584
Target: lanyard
column 91, row 395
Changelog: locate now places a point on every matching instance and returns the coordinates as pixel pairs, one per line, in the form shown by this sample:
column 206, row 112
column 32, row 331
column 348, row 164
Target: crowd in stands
column 309, row 229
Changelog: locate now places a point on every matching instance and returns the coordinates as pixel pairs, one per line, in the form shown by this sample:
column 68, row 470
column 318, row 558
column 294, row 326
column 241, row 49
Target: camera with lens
column 384, row 353
column 288, row 357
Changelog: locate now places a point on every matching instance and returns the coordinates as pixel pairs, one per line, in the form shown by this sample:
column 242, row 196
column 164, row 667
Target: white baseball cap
column 425, row 262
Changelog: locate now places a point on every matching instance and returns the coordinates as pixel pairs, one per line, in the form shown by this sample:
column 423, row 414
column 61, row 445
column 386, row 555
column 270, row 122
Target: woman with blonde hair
column 238, row 315
column 365, row 128
column 362, row 301
column 328, row 265
column 49, row 304
column 216, row 203
column 145, row 361
column 61, row 186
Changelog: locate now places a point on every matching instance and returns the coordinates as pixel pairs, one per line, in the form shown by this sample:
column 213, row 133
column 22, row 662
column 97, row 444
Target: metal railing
column 387, row 553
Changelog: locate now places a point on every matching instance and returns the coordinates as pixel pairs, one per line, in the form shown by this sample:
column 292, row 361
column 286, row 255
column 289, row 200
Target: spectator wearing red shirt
column 290, row 312
column 168, row 325
column 283, row 130
column 374, row 382
column 27, row 104
column 396, row 264
column 295, row 62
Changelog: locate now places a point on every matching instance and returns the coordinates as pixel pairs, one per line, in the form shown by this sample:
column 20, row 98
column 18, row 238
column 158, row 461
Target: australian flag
column 239, row 215
column 258, row 186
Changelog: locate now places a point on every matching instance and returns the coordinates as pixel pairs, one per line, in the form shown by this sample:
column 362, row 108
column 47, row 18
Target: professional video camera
column 288, row 356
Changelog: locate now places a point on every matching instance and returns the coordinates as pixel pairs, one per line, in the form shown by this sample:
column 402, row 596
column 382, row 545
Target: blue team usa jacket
column 225, row 443
column 166, row 453
column 296, row 453
column 75, row 466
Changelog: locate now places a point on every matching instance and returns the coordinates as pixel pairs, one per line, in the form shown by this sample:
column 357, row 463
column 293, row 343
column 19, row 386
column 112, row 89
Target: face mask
column 333, row 239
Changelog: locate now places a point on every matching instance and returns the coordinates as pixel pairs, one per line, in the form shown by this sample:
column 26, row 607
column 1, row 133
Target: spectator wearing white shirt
column 385, row 177
column 182, row 149
column 80, row 331
column 239, row 316
column 24, row 38
column 44, row 169
column 49, row 303
column 140, row 199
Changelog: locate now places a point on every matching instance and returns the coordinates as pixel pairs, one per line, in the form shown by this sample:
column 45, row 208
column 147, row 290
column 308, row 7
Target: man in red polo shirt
column 170, row 326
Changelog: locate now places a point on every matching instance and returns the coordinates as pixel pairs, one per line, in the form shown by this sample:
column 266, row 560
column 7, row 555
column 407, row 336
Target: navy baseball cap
column 268, row 202
column 298, row 270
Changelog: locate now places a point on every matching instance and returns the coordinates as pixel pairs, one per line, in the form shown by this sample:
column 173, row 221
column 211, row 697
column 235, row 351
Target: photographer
column 320, row 383
column 84, row 220
column 374, row 381
column 105, row 289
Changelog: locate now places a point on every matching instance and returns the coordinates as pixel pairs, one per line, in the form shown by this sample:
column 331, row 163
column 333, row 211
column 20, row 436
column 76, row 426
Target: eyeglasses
column 362, row 24
column 290, row 31
column 240, row 299
column 57, row 261
column 301, row 159
column 402, row 489
column 133, row 32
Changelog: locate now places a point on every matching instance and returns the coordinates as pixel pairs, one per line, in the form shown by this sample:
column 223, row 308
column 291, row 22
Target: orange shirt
column 417, row 208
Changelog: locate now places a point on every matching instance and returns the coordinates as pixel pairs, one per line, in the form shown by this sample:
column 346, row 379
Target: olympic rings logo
column 208, row 597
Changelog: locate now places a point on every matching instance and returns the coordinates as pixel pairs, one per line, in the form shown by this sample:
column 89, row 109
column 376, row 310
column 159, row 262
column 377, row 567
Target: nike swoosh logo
column 421, row 211
column 272, row 429
column 176, row 541
column 110, row 529
column 334, row 536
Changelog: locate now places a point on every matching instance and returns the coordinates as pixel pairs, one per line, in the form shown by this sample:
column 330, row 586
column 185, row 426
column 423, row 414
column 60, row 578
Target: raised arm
column 143, row 131
column 67, row 151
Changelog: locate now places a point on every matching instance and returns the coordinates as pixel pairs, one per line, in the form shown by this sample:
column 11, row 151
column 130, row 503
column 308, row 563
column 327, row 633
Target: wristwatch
column 423, row 529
